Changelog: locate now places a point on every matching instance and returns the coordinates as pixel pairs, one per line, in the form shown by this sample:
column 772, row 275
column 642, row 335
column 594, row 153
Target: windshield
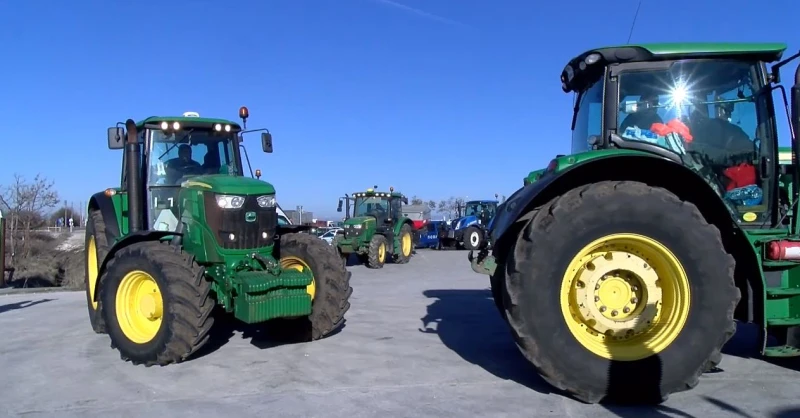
column 475, row 209
column 173, row 158
column 371, row 206
column 707, row 112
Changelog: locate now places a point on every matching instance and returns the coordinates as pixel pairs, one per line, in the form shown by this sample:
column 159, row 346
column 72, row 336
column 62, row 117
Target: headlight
column 266, row 201
column 357, row 226
column 230, row 202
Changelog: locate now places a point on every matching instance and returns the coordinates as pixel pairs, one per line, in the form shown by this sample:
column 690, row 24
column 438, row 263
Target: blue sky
column 392, row 87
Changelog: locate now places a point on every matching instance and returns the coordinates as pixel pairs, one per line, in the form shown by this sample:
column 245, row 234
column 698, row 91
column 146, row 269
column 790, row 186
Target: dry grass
column 48, row 267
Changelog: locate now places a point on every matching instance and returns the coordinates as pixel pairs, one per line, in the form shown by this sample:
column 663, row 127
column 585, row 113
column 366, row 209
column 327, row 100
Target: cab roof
column 584, row 72
column 377, row 193
column 188, row 121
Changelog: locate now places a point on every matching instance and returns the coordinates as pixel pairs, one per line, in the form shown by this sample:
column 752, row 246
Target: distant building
column 294, row 216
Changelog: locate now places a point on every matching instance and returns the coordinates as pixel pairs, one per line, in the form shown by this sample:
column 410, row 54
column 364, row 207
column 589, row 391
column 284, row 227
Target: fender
column 139, row 236
column 99, row 201
column 399, row 225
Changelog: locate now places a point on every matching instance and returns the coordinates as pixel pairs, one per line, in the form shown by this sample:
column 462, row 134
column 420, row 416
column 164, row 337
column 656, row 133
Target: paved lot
column 421, row 339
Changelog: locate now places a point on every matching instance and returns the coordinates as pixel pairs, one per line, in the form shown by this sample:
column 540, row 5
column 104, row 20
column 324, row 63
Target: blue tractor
column 468, row 229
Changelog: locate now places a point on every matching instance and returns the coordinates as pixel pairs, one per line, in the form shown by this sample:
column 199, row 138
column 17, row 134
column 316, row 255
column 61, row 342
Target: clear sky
column 355, row 92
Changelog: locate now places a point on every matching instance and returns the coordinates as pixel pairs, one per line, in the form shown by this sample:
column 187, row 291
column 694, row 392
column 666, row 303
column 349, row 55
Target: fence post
column 2, row 251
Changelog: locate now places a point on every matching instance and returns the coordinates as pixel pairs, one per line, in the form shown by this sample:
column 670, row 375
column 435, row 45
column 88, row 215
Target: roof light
column 191, row 115
column 227, row 128
column 164, row 125
column 176, row 125
column 217, row 127
column 592, row 58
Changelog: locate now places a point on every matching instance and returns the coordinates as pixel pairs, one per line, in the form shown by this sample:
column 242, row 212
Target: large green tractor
column 376, row 230
column 186, row 232
column 622, row 267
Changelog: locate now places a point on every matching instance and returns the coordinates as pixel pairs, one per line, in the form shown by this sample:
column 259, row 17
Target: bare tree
column 451, row 206
column 415, row 200
column 431, row 205
column 27, row 204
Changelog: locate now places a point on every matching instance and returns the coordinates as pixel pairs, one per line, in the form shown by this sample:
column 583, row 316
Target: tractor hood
column 463, row 222
column 223, row 183
column 359, row 220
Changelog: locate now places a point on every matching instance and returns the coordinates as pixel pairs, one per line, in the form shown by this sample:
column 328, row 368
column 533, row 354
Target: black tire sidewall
column 95, row 315
column 314, row 255
column 374, row 249
column 543, row 261
column 127, row 260
column 467, row 234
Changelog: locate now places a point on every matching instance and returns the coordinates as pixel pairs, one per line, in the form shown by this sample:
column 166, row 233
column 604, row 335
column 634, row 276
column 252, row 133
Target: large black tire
column 376, row 255
column 95, row 236
column 400, row 256
column 332, row 290
column 497, row 283
column 473, row 238
column 536, row 264
column 187, row 303
column 335, row 244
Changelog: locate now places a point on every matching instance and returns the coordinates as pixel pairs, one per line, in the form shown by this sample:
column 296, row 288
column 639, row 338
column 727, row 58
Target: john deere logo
column 250, row 216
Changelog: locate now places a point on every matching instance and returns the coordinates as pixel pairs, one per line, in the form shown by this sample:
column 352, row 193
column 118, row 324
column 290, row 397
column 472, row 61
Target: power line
column 633, row 24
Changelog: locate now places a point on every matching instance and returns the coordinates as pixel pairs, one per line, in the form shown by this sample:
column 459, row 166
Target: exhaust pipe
column 134, row 178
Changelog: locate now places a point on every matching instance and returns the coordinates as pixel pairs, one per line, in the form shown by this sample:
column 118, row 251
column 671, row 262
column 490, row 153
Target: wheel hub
column 150, row 306
column 618, row 295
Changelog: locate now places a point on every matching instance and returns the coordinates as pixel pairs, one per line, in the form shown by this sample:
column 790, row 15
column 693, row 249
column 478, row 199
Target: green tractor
column 622, row 267
column 376, row 229
column 187, row 238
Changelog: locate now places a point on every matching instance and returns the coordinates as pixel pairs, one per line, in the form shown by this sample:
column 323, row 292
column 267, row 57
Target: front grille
column 351, row 232
column 232, row 228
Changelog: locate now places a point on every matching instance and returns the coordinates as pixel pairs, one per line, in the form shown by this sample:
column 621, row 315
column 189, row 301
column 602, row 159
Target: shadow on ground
column 468, row 323
column 21, row 305
column 272, row 334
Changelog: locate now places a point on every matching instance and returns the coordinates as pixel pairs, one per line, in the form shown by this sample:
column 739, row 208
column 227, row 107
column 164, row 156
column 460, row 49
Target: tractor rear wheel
column 406, row 245
column 330, row 289
column 473, row 238
column 633, row 302
column 95, row 248
column 335, row 244
column 157, row 304
column 376, row 255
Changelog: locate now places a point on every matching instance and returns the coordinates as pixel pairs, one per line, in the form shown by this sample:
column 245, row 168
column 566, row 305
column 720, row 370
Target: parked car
column 328, row 236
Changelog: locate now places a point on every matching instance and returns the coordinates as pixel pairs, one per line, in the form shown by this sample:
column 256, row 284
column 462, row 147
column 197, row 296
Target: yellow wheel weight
column 139, row 306
column 625, row 297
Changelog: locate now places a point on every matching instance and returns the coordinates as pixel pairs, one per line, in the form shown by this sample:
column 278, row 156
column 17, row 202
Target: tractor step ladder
column 782, row 314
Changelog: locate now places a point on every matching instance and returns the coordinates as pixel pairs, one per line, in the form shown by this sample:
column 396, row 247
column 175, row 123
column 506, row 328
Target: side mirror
column 258, row 173
column 339, row 208
column 405, row 200
column 116, row 138
column 266, row 142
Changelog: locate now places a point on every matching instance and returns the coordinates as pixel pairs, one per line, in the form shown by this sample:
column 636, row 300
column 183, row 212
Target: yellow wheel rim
column 625, row 297
column 406, row 244
column 382, row 252
column 139, row 306
column 291, row 262
column 91, row 264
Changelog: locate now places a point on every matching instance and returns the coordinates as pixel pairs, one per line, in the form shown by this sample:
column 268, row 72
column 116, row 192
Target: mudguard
column 510, row 210
column 106, row 207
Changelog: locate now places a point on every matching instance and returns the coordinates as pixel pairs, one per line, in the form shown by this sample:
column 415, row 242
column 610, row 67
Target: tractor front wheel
column 633, row 302
column 157, row 304
column 473, row 238
column 406, row 245
column 96, row 248
column 330, row 289
column 376, row 255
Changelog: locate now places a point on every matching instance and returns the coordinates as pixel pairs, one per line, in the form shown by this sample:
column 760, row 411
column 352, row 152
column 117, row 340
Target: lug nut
column 602, row 309
column 634, row 300
column 597, row 298
column 614, row 313
column 626, row 309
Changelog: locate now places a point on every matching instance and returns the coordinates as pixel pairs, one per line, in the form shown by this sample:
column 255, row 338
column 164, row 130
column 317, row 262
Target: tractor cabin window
column 176, row 157
column 589, row 118
column 708, row 114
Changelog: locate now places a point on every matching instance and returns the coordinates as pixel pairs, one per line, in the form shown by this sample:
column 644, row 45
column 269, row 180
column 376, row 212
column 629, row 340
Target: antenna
column 633, row 24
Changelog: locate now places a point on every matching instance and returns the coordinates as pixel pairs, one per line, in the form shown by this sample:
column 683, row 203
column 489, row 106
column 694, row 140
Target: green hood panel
column 222, row 183
column 359, row 220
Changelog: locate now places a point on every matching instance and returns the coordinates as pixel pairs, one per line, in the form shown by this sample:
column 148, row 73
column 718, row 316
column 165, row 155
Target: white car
column 328, row 236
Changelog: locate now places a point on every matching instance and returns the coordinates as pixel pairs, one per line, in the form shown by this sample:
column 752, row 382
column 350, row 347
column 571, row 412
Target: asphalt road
column 422, row 339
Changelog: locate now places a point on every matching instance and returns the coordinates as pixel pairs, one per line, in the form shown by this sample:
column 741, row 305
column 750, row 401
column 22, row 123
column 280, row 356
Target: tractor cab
column 382, row 206
column 182, row 151
column 711, row 111
column 483, row 210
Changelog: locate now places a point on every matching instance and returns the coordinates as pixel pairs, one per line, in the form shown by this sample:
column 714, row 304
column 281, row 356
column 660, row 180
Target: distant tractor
column 468, row 229
column 186, row 232
column 376, row 230
column 621, row 267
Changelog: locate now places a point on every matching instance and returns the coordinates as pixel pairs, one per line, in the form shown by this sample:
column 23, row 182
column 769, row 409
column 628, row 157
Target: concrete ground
column 421, row 339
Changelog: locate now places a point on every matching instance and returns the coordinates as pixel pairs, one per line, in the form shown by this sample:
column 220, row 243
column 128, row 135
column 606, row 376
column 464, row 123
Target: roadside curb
column 31, row 290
